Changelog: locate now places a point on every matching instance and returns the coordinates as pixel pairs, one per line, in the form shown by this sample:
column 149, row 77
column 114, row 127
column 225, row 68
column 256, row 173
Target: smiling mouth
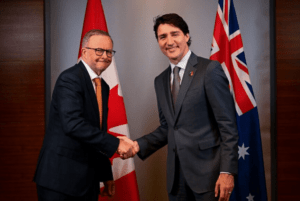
column 172, row 49
column 104, row 61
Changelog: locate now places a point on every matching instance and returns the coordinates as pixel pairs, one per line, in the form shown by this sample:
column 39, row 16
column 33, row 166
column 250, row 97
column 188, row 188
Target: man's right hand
column 127, row 148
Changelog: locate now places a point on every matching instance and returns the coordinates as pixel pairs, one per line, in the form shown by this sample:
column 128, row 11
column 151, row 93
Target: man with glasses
column 75, row 154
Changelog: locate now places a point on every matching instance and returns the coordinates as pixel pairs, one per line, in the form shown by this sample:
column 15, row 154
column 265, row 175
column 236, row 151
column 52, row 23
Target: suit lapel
column 105, row 95
column 90, row 89
column 186, row 81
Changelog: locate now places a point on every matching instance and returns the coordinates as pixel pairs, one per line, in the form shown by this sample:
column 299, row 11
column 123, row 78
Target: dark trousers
column 45, row 194
column 182, row 192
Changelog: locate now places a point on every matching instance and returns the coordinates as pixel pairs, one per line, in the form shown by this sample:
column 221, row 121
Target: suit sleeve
column 157, row 139
column 222, row 104
column 105, row 169
column 69, row 95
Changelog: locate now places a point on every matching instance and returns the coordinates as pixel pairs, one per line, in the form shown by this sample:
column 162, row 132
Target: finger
column 134, row 152
column 129, row 153
column 228, row 195
column 109, row 190
column 122, row 156
column 217, row 189
column 103, row 193
column 112, row 189
column 222, row 194
column 120, row 151
column 135, row 147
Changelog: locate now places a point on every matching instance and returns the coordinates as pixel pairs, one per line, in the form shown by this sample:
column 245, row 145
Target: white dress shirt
column 182, row 64
column 92, row 74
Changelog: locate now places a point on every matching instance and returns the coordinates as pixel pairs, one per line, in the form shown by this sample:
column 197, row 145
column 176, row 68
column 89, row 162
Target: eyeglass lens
column 100, row 52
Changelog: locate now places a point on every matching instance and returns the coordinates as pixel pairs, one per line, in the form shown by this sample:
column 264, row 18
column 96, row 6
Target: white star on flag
column 250, row 197
column 243, row 151
column 228, row 49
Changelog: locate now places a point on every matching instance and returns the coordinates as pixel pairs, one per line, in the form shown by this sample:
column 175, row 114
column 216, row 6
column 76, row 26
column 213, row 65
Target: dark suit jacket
column 75, row 151
column 202, row 128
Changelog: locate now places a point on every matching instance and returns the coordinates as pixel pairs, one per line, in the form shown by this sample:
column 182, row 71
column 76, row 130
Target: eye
column 99, row 50
column 162, row 37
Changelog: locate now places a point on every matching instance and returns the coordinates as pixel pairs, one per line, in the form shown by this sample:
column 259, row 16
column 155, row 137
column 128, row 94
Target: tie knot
column 97, row 81
column 176, row 70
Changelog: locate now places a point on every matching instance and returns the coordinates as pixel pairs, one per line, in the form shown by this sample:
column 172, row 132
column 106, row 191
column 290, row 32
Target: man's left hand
column 224, row 186
column 109, row 189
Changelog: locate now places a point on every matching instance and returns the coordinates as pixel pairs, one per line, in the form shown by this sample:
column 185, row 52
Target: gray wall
column 139, row 60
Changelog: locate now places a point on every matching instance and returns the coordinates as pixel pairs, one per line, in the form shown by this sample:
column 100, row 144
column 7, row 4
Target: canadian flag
column 123, row 170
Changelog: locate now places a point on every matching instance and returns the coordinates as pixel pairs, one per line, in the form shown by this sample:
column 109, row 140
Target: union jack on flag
column 227, row 48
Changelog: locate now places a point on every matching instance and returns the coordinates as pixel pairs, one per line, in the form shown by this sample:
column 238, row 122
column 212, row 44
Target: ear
column 83, row 52
column 187, row 37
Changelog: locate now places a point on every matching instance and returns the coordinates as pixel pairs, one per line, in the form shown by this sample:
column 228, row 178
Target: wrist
column 136, row 146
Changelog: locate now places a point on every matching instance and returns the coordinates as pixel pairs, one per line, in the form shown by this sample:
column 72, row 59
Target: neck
column 98, row 72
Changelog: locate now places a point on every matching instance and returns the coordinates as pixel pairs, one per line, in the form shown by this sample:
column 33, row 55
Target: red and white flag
column 123, row 170
column 228, row 49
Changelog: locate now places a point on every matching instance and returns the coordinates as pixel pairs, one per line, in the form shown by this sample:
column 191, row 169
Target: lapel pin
column 192, row 73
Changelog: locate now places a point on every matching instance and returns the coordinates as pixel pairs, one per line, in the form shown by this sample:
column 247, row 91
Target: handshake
column 127, row 148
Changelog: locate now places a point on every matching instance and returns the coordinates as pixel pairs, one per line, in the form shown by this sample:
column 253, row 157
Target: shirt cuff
column 226, row 172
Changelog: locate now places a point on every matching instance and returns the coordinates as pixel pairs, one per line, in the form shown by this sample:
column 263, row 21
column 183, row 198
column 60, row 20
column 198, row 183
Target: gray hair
column 91, row 33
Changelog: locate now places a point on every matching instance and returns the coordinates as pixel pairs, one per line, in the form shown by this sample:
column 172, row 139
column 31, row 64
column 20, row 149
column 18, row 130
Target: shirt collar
column 183, row 62
column 92, row 74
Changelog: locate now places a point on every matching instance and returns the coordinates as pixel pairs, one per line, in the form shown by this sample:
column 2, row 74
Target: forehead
column 100, row 41
column 167, row 28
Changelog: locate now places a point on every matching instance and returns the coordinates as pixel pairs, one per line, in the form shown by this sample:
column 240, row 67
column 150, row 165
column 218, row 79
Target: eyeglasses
column 100, row 51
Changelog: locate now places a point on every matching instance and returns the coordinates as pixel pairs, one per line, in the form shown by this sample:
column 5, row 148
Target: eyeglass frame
column 112, row 52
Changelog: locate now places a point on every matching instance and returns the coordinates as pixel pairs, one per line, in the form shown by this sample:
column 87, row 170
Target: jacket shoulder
column 207, row 62
column 74, row 70
column 71, row 77
column 166, row 72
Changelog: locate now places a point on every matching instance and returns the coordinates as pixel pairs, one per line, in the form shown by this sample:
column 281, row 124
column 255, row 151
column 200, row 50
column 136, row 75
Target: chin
column 102, row 69
column 172, row 57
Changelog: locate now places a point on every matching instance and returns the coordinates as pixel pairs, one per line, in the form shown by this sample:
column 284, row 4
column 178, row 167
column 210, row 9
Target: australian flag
column 227, row 48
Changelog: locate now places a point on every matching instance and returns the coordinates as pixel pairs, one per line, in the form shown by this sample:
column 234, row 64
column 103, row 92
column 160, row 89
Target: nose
column 170, row 41
column 104, row 55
